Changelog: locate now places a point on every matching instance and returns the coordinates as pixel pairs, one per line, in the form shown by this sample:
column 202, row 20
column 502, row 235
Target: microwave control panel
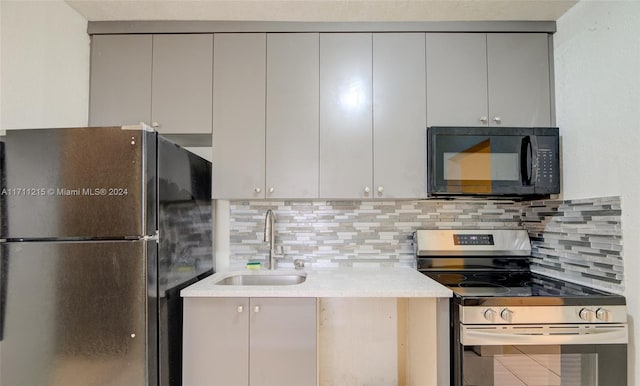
column 547, row 162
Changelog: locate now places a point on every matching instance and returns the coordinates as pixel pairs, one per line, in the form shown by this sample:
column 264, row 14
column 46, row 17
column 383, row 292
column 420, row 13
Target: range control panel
column 472, row 242
column 459, row 239
column 543, row 314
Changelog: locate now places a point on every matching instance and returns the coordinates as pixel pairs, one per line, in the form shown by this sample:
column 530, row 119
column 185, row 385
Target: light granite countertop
column 327, row 283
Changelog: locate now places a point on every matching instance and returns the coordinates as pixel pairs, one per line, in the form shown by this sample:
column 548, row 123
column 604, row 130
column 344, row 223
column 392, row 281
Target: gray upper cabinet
column 120, row 80
column 182, row 83
column 239, row 78
column 456, row 79
column 266, row 116
column 163, row 80
column 495, row 79
column 399, row 115
column 292, row 115
column 373, row 115
column 519, row 79
column 319, row 115
column 346, row 138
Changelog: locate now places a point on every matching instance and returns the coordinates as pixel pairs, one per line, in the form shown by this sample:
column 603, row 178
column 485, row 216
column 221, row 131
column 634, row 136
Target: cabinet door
column 292, row 115
column 120, row 80
column 399, row 115
column 283, row 342
column 215, row 342
column 239, row 62
column 182, row 83
column 345, row 115
column 456, row 79
column 519, row 89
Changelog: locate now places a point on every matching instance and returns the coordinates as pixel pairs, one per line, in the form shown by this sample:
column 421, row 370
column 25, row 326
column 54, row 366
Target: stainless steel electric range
column 513, row 327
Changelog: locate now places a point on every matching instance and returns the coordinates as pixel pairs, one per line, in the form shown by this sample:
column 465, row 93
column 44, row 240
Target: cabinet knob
column 257, row 190
column 484, row 119
column 271, row 190
column 367, row 189
column 240, row 309
column 497, row 120
column 380, row 189
column 256, row 309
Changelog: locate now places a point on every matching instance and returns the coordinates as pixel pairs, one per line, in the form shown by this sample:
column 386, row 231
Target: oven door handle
column 499, row 335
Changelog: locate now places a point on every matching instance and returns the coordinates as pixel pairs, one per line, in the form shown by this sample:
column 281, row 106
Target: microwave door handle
column 534, row 159
column 526, row 164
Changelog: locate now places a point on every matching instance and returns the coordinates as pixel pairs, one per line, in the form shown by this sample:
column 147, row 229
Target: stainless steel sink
column 267, row 279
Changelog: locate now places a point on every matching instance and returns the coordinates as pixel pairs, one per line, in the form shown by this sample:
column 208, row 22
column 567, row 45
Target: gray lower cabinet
column 494, row 79
column 163, row 80
column 250, row 342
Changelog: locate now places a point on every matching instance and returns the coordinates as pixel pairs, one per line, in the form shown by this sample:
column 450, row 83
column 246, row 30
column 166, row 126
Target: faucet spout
column 270, row 236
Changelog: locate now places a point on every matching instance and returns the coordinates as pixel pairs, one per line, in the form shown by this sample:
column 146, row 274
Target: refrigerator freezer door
column 79, row 183
column 185, row 252
column 185, row 217
column 76, row 314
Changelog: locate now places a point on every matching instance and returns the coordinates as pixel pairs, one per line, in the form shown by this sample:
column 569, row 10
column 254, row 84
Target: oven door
column 540, row 355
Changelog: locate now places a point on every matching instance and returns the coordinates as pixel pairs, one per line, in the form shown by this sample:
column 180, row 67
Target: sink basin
column 273, row 279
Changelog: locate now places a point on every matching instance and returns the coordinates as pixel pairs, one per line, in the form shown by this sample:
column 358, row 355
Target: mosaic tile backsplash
column 577, row 240
column 353, row 233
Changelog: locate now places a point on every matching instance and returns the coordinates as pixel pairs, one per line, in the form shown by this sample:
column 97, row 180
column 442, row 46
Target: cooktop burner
column 482, row 279
column 480, row 288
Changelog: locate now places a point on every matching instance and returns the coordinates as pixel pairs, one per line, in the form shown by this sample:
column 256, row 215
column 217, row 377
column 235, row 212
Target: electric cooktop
column 521, row 287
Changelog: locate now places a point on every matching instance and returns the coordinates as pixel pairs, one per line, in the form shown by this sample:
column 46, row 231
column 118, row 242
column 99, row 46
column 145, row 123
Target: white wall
column 44, row 65
column 44, row 76
column 597, row 61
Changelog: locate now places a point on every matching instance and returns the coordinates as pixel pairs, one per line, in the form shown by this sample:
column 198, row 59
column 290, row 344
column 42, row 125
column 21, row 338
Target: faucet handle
column 298, row 263
column 281, row 251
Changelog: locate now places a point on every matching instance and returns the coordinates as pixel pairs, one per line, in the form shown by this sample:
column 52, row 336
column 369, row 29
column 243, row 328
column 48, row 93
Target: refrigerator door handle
column 4, row 262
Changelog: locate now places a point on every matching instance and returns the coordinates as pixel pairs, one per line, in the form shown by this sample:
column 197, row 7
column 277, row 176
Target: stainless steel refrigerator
column 101, row 229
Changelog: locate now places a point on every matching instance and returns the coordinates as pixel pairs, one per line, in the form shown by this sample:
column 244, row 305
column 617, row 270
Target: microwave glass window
column 481, row 166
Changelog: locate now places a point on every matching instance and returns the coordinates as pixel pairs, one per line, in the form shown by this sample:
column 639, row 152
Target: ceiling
column 322, row 10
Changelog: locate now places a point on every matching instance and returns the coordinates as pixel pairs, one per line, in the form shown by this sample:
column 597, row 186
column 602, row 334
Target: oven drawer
column 549, row 334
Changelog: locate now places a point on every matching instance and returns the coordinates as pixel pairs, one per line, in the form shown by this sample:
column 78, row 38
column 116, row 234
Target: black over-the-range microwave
column 493, row 161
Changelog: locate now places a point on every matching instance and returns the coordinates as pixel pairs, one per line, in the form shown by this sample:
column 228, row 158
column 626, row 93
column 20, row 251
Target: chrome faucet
column 270, row 236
